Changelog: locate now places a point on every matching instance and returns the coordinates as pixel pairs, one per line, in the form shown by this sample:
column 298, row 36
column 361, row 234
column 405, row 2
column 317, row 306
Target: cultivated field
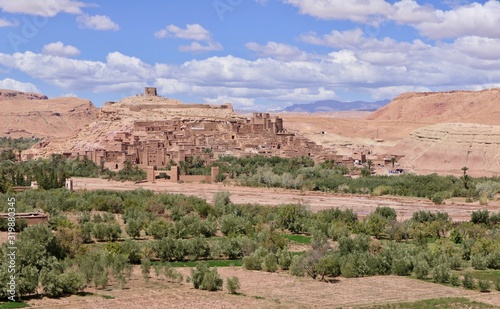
column 265, row 290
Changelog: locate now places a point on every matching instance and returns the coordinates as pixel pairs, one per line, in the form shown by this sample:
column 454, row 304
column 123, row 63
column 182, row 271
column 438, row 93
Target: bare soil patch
column 262, row 290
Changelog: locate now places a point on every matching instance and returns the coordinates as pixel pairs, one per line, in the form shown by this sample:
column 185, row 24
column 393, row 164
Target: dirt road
column 360, row 204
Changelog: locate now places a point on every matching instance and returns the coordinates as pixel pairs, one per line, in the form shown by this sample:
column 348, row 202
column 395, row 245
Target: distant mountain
column 335, row 106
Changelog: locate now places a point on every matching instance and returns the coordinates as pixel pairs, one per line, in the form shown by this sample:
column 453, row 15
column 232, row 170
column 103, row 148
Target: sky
column 256, row 54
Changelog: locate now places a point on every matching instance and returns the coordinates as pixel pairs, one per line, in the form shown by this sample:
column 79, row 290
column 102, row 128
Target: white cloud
column 355, row 10
column 196, row 47
column 380, row 67
column 192, row 32
column 8, row 23
column 59, row 49
column 469, row 20
column 277, row 50
column 97, row 22
column 46, row 8
column 12, row 84
column 474, row 19
column 482, row 48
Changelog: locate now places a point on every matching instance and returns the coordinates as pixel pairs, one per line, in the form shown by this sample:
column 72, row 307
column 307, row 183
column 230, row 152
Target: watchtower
column 150, row 91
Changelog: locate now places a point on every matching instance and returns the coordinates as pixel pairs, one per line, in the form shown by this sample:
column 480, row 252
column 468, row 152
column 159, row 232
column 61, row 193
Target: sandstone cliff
column 446, row 148
column 438, row 107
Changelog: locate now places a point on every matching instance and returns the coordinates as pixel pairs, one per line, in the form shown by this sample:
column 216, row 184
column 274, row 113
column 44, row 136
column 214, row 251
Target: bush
column 480, row 216
column 284, row 258
column 441, row 273
column 292, row 217
column 205, row 278
column 468, row 281
column 478, row 261
column 484, row 286
column 421, row 269
column 296, row 268
column 255, row 260
column 386, row 212
column 232, row 285
column 497, row 284
column 454, row 279
column 269, row 263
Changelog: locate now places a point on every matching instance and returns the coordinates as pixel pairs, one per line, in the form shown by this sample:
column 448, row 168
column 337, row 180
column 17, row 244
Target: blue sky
column 256, row 54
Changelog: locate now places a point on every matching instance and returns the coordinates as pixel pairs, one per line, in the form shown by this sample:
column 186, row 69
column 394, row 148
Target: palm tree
column 465, row 178
column 393, row 161
column 370, row 164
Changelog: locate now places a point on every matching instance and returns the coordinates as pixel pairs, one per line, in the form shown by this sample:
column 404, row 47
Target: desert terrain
column 30, row 114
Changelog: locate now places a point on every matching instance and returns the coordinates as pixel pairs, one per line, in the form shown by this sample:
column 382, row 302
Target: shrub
column 269, row 263
column 480, row 216
column 292, row 217
column 284, row 258
column 296, row 268
column 255, row 260
column 441, row 273
column 468, row 281
column 338, row 230
column 478, row 261
column 497, row 284
column 421, row 269
column 454, row 279
column 232, row 285
column 484, row 286
column 205, row 278
column 386, row 212
column 145, row 269
column 233, row 225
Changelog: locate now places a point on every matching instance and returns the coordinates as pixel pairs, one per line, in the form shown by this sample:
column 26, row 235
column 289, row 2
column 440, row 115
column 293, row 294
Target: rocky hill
column 439, row 107
column 447, row 147
column 31, row 114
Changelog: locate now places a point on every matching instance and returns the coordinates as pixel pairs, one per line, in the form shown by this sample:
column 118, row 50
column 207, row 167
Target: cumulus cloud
column 59, row 49
column 12, row 84
column 202, row 38
column 97, row 22
column 474, row 19
column 46, row 8
column 191, row 32
column 277, row 50
column 380, row 67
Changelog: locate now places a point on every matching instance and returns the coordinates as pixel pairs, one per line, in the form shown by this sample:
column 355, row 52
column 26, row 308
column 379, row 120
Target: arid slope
column 443, row 107
column 30, row 114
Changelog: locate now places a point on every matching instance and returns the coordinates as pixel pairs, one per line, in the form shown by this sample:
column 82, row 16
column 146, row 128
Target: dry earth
column 30, row 114
column 360, row 204
column 264, row 290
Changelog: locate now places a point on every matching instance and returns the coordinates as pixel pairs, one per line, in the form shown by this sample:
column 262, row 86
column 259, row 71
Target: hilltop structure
column 151, row 131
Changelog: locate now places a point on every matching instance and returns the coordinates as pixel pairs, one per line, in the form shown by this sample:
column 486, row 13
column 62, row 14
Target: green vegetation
column 13, row 305
column 298, row 238
column 181, row 232
column 435, row 303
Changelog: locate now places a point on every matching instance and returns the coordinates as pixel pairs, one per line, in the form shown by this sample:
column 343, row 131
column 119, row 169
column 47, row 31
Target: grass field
column 440, row 303
column 299, row 239
column 11, row 305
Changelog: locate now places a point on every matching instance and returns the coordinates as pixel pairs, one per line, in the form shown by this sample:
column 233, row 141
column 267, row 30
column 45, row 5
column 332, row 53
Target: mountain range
column 335, row 106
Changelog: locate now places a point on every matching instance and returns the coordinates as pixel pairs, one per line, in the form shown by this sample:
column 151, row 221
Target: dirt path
column 317, row 201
